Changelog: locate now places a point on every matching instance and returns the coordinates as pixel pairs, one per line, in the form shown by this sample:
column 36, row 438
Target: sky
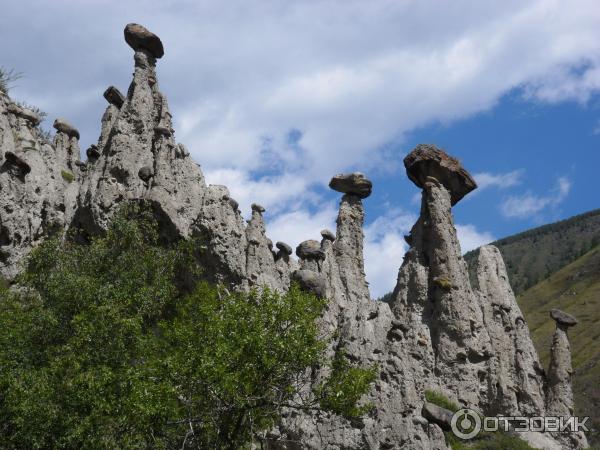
column 273, row 98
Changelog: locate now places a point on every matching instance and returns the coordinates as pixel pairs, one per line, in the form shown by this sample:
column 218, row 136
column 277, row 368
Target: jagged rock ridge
column 438, row 332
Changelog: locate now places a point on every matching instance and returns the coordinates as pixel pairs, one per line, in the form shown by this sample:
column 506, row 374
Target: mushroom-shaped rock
column 145, row 173
column 139, row 38
column 310, row 249
column 62, row 126
column 92, row 152
column 328, row 235
column 563, row 318
column 438, row 415
column 352, row 183
column 257, row 208
column 284, row 248
column 114, row 96
column 429, row 161
column 310, row 281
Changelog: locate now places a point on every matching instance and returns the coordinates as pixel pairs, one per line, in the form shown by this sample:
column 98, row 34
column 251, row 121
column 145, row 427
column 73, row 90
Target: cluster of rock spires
column 464, row 338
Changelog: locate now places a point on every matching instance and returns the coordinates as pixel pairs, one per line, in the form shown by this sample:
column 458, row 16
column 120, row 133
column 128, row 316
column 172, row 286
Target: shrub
column 104, row 349
column 67, row 176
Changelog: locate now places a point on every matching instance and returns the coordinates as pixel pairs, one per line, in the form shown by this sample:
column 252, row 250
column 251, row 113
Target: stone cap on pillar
column 429, row 161
column 563, row 318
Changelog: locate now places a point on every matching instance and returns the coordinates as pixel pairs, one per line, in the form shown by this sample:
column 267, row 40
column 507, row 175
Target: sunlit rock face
column 439, row 332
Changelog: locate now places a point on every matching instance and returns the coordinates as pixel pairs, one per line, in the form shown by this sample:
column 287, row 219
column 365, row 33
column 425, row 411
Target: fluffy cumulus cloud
column 529, row 204
column 272, row 98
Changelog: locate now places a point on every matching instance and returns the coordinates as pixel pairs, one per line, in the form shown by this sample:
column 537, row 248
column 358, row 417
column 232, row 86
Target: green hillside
column 576, row 290
column 536, row 254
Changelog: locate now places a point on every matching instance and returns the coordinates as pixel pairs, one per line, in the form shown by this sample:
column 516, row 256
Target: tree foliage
column 101, row 347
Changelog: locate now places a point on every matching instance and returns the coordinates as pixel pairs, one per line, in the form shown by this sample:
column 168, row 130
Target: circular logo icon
column 466, row 423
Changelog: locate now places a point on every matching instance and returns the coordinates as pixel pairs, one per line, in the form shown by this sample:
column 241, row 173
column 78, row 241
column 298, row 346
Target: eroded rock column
column 516, row 384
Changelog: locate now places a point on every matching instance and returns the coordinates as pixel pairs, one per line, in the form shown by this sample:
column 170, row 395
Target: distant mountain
column 576, row 290
column 534, row 255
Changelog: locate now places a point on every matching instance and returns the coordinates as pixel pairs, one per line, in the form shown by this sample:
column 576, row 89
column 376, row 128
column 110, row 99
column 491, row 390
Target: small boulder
column 310, row 249
column 352, row 183
column 62, row 126
column 310, row 281
column 328, row 235
column 145, row 173
column 563, row 318
column 429, row 161
column 257, row 208
column 139, row 38
column 438, row 415
column 283, row 248
column 92, row 153
column 114, row 96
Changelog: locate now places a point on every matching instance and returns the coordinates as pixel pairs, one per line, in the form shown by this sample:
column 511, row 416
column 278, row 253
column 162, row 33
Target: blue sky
column 272, row 98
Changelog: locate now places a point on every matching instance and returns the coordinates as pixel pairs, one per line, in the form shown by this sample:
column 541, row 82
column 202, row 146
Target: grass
column 439, row 399
column 67, row 176
column 576, row 290
column 443, row 283
column 7, row 78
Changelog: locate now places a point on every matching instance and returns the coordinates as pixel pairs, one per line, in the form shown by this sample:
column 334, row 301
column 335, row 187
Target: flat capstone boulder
column 352, row 183
column 139, row 38
column 430, row 161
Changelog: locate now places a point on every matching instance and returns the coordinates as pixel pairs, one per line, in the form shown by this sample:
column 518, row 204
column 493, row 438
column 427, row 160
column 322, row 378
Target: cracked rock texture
column 439, row 332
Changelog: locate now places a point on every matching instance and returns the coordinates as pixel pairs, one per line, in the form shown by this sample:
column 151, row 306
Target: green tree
column 102, row 347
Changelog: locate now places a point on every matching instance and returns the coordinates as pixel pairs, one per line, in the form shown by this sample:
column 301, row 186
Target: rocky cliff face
column 438, row 332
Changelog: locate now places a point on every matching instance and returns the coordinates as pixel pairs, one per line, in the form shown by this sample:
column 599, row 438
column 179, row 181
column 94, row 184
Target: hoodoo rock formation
column 465, row 339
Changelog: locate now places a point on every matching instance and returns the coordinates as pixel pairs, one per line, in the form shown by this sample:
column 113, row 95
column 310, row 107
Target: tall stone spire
column 516, row 382
column 559, row 396
column 137, row 157
column 433, row 292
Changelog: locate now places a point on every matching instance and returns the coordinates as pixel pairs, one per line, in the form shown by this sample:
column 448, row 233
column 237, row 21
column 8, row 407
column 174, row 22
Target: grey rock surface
column 516, row 381
column 311, row 281
column 36, row 201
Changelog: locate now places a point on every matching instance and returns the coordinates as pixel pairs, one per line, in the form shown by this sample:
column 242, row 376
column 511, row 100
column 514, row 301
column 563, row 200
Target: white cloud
column 470, row 238
column 384, row 249
column 500, row 180
column 297, row 226
column 350, row 76
column 528, row 204
column 277, row 193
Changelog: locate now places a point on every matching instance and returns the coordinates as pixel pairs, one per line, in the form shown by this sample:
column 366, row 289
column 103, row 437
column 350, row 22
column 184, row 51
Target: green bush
column 103, row 349
column 67, row 176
